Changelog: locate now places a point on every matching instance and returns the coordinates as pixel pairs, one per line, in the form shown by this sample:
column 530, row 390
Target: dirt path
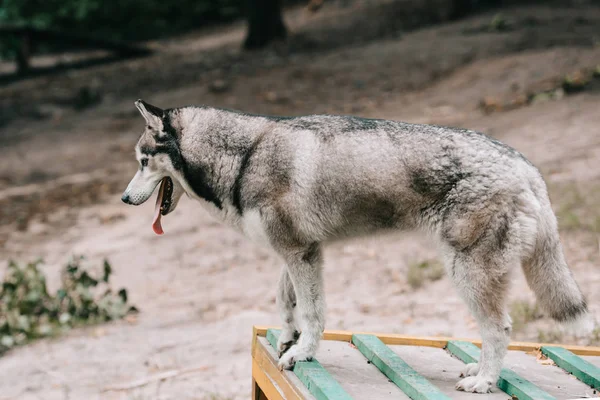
column 201, row 287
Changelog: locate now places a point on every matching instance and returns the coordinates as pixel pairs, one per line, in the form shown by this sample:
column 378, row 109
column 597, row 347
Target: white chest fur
column 253, row 227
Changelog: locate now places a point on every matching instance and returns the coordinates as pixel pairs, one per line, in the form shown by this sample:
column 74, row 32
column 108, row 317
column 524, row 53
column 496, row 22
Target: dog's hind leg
column 286, row 302
column 483, row 283
column 305, row 271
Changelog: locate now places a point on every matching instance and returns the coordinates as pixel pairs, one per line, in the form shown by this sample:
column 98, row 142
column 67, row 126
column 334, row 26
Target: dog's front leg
column 304, row 269
column 286, row 303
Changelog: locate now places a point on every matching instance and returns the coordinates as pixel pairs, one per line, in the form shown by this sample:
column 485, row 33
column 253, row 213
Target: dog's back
column 339, row 176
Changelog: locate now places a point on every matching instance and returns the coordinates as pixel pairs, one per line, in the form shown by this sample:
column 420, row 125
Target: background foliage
column 116, row 19
column 28, row 311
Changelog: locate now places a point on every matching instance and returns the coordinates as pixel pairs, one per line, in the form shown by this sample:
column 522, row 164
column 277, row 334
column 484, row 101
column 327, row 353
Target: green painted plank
column 407, row 379
column 509, row 382
column 585, row 371
column 312, row 374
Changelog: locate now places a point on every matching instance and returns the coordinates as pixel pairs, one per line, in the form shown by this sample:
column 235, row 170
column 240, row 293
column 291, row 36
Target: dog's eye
column 144, row 162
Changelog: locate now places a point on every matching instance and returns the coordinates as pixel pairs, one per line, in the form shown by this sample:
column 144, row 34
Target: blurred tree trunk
column 265, row 23
column 462, row 8
column 24, row 54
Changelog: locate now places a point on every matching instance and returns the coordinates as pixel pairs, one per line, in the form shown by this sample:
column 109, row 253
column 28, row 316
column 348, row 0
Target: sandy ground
column 202, row 286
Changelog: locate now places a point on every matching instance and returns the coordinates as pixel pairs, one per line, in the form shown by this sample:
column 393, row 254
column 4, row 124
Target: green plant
column 576, row 82
column 550, row 336
column 28, row 311
column 522, row 312
column 419, row 273
column 577, row 207
column 595, row 337
column 112, row 19
column 499, row 23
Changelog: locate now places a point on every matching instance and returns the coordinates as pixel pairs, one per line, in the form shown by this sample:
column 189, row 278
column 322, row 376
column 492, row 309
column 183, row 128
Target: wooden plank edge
column 256, row 332
column 456, row 348
column 439, row 342
column 312, row 374
column 264, row 383
column 583, row 370
column 267, row 365
column 509, row 381
column 413, row 384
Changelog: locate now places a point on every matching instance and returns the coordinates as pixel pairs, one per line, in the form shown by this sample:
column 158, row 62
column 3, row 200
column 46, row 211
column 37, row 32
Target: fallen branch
column 154, row 378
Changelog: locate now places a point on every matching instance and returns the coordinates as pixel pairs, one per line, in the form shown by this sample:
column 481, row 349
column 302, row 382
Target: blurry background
column 527, row 73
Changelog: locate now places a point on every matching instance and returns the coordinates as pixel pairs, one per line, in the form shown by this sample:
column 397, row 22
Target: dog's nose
column 125, row 198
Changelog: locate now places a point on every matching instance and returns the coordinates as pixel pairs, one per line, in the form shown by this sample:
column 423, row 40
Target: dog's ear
column 152, row 114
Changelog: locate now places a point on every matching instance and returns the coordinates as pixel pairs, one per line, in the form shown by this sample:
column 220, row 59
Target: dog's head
column 157, row 152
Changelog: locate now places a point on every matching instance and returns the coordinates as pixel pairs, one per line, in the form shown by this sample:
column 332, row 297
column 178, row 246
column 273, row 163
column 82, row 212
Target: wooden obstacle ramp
column 357, row 365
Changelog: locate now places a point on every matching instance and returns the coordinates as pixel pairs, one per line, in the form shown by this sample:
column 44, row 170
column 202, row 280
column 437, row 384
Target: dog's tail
column 551, row 279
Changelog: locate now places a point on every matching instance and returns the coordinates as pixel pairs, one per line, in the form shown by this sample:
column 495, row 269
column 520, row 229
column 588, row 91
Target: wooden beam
column 272, row 382
column 257, row 392
column 391, row 365
column 312, row 374
column 509, row 382
column 438, row 342
column 585, row 371
column 264, row 387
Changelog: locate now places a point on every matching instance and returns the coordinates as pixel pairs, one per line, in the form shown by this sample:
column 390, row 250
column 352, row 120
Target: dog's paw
column 292, row 356
column 475, row 384
column 286, row 340
column 471, row 369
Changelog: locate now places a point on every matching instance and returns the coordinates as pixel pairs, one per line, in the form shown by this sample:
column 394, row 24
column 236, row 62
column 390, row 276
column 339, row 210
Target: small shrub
column 28, row 311
column 577, row 207
column 595, row 337
column 499, row 23
column 522, row 312
column 550, row 337
column 576, row 82
column 419, row 273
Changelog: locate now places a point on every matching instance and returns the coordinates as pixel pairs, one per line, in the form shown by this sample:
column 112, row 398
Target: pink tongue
column 156, row 226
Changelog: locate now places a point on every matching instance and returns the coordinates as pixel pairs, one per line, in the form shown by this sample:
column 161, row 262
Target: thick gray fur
column 294, row 184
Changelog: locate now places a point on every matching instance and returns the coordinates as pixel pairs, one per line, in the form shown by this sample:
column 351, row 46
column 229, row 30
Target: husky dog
column 295, row 183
